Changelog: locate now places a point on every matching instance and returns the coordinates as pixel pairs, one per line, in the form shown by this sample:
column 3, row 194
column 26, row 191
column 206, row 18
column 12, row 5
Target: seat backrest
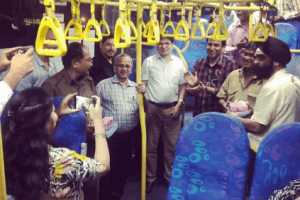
column 211, row 161
column 287, row 33
column 72, row 129
column 277, row 161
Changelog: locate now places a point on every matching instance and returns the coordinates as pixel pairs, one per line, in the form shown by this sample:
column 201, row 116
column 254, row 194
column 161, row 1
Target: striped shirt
column 119, row 102
column 212, row 77
column 288, row 8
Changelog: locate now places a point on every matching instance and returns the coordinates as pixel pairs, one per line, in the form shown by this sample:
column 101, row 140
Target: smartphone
column 83, row 103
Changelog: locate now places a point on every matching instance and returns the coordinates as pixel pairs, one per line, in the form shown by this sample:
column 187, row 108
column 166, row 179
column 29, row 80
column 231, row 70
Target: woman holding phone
column 33, row 168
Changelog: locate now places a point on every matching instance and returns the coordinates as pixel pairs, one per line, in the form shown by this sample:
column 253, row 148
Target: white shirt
column 5, row 95
column 163, row 78
column 275, row 104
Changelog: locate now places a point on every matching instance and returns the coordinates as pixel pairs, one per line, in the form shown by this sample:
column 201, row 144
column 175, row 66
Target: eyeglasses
column 166, row 44
column 124, row 66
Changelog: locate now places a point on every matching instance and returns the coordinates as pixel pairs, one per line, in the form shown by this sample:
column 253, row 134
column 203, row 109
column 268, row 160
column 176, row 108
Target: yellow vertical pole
column 250, row 36
column 141, row 101
column 2, row 173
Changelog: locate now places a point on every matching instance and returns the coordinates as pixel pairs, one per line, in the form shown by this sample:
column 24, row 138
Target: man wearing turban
column 276, row 103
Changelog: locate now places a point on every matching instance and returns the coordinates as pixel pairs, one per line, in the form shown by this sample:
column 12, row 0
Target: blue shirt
column 119, row 102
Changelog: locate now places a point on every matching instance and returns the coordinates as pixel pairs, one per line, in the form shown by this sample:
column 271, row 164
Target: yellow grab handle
column 152, row 32
column 78, row 35
column 133, row 28
column 260, row 33
column 182, row 36
column 53, row 24
column 122, row 31
column 271, row 30
column 168, row 24
column 95, row 24
column 210, row 26
column 218, row 35
column 146, row 28
column 105, row 25
column 198, row 25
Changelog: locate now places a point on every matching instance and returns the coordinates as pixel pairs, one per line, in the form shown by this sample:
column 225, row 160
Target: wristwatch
column 205, row 89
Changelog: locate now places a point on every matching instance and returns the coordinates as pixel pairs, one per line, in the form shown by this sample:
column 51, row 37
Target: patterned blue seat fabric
column 277, row 161
column 211, row 161
column 72, row 129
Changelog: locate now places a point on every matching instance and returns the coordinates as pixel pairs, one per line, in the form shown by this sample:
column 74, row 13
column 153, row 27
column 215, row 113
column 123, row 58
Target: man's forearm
column 12, row 80
column 181, row 92
column 250, row 126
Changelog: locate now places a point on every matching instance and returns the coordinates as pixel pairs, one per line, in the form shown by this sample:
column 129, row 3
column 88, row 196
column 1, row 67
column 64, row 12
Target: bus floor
column 132, row 190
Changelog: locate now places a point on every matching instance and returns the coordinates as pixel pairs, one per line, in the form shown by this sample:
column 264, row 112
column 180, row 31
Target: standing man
column 75, row 75
column 208, row 76
column 238, row 34
column 277, row 101
column 43, row 68
column 163, row 76
column 119, row 100
column 103, row 61
column 74, row 78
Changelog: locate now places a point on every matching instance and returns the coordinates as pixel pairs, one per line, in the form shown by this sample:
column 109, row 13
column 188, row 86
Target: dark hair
column 251, row 45
column 75, row 51
column 168, row 38
column 104, row 38
column 25, row 140
column 223, row 42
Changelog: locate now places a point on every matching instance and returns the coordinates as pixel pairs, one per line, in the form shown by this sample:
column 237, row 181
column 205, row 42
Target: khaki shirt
column 233, row 88
column 60, row 85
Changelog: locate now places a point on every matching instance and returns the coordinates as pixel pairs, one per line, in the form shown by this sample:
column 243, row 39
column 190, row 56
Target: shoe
column 149, row 186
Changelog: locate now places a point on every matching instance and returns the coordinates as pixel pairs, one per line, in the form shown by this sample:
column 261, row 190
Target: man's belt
column 164, row 105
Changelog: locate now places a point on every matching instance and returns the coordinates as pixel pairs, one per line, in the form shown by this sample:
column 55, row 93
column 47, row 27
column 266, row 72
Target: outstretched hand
column 191, row 79
column 64, row 108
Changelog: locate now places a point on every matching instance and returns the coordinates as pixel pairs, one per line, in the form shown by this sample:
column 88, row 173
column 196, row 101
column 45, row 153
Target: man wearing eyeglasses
column 74, row 78
column 163, row 76
column 119, row 99
column 75, row 75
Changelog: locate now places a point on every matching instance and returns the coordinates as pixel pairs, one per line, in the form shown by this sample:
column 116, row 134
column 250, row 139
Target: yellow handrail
column 182, row 24
column 122, row 29
column 169, row 24
column 131, row 24
column 2, row 172
column 260, row 31
column 151, row 31
column 104, row 23
column 92, row 23
column 198, row 25
column 75, row 21
column 220, row 31
column 52, row 23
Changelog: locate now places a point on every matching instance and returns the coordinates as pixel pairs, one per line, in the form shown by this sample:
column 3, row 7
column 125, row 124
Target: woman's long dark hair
column 25, row 140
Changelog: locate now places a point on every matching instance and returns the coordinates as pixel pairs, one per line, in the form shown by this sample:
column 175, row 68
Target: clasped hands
column 194, row 85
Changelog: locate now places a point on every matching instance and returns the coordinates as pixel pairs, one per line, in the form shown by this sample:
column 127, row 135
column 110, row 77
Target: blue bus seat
column 277, row 161
column 211, row 160
column 71, row 131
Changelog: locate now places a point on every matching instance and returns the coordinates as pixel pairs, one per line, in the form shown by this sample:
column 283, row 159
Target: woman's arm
column 101, row 151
